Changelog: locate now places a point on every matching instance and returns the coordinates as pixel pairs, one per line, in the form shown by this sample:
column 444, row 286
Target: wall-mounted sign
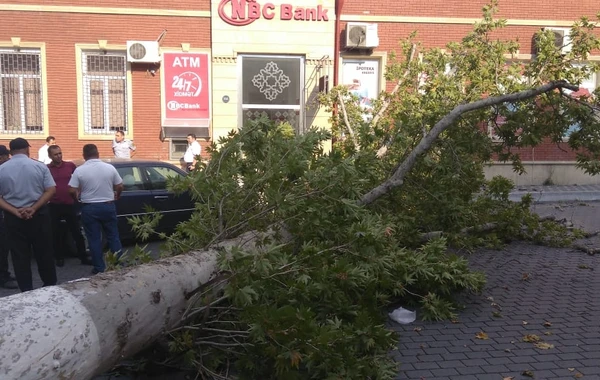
column 362, row 77
column 245, row 12
column 186, row 89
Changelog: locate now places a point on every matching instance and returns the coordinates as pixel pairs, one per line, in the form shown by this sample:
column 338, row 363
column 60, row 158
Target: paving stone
column 495, row 368
column 417, row 374
column 445, row 372
column 470, row 370
column 498, row 361
column 544, row 365
column 425, row 365
column 430, row 358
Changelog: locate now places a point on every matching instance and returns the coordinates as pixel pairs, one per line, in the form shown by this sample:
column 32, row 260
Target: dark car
column 145, row 184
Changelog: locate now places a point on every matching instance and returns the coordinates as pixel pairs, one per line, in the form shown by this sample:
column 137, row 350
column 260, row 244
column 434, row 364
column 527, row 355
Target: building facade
column 80, row 70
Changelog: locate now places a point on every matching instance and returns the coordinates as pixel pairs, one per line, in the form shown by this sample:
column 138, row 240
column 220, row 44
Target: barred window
column 21, row 96
column 104, row 92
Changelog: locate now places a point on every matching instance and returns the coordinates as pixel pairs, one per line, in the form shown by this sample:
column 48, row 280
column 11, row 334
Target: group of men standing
column 35, row 198
column 37, row 195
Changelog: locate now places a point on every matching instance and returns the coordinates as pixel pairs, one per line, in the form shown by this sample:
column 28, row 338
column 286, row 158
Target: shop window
column 104, row 81
column 273, row 86
column 178, row 148
column 21, row 95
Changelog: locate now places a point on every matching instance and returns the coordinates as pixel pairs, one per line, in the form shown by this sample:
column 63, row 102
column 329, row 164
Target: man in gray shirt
column 26, row 186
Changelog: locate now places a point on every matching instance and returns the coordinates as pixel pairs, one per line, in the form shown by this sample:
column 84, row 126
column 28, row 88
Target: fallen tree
column 84, row 327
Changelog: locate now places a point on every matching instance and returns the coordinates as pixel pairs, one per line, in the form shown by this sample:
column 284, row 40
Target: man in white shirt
column 43, row 152
column 97, row 185
column 192, row 152
column 122, row 148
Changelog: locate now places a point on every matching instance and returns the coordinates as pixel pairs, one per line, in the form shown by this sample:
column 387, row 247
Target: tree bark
column 397, row 178
column 82, row 328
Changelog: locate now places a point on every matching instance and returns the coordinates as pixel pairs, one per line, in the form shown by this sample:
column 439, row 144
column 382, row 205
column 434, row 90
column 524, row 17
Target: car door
column 174, row 208
column 135, row 197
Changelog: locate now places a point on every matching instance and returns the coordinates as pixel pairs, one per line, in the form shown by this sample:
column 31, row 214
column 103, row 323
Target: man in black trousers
column 26, row 186
column 63, row 207
column 6, row 280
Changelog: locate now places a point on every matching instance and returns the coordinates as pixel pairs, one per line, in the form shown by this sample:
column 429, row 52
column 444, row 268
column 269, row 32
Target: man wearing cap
column 6, row 280
column 97, row 185
column 26, row 186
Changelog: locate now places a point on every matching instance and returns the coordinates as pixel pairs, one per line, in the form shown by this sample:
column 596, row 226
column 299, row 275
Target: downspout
column 339, row 4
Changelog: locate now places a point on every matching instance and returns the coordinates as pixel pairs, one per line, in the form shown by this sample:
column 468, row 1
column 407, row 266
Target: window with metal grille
column 104, row 92
column 21, row 96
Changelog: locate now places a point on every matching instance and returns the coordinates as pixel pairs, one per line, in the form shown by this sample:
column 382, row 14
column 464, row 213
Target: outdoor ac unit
column 361, row 35
column 562, row 38
column 143, row 51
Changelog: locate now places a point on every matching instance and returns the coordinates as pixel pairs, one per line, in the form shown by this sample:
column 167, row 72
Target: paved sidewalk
column 544, row 194
column 531, row 290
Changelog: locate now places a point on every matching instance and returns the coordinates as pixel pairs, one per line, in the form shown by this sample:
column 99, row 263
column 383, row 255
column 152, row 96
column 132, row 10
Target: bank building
column 80, row 70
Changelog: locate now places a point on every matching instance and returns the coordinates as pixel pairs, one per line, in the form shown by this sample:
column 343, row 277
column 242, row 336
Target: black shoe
column 60, row 262
column 9, row 284
column 95, row 271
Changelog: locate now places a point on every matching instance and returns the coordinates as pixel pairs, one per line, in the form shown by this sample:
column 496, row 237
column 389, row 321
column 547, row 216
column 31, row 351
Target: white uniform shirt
column 43, row 154
column 95, row 180
column 123, row 149
column 192, row 151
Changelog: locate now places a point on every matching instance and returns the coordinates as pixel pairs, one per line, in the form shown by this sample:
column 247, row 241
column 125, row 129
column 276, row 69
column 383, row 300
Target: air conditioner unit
column 562, row 38
column 143, row 51
column 361, row 35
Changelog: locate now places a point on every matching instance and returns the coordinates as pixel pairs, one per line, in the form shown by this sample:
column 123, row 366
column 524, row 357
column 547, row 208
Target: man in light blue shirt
column 26, row 186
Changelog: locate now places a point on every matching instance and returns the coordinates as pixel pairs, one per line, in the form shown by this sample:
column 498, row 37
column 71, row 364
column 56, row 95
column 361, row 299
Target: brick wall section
column 515, row 9
column 196, row 5
column 61, row 31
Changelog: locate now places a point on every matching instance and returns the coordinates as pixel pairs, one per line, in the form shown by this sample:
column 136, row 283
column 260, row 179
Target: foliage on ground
column 310, row 301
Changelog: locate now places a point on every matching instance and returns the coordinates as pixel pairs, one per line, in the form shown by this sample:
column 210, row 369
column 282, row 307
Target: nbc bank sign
column 245, row 12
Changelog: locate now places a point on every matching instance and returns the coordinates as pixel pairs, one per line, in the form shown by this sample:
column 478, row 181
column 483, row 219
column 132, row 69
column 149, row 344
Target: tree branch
column 381, row 152
column 347, row 122
column 397, row 179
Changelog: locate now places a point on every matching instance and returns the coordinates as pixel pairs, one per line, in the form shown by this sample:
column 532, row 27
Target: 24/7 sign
column 186, row 87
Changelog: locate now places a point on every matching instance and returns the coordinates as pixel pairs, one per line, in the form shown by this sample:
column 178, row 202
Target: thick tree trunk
column 84, row 327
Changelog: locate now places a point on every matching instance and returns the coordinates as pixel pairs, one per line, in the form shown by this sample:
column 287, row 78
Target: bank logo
column 271, row 81
column 245, row 12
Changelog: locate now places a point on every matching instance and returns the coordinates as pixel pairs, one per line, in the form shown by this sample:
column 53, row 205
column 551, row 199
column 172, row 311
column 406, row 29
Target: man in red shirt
column 62, row 207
